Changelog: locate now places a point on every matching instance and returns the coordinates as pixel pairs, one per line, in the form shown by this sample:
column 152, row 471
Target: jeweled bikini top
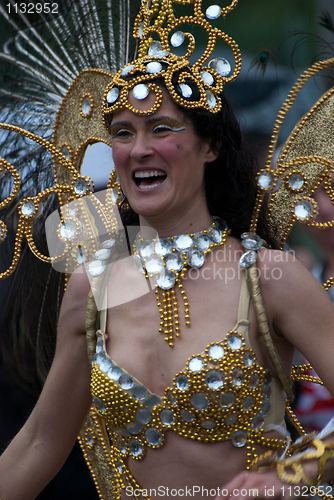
column 221, row 394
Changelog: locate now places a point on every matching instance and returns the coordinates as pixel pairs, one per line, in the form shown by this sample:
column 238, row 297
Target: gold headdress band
column 190, row 86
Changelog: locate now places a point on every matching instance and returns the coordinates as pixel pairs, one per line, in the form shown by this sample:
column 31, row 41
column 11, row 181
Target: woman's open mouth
column 149, row 179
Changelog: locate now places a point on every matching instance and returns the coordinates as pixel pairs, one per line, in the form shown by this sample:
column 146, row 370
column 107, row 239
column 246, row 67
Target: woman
column 166, row 147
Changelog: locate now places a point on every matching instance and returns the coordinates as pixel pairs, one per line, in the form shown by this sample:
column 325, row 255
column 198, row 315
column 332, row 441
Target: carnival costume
column 222, row 393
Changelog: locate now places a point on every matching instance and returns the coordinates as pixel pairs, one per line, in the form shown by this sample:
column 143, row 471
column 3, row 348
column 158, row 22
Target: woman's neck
column 170, row 227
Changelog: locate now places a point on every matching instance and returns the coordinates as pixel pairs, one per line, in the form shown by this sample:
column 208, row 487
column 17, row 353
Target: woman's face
column 159, row 160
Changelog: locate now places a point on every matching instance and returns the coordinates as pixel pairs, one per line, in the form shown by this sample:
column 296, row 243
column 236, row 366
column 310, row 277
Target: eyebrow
column 149, row 121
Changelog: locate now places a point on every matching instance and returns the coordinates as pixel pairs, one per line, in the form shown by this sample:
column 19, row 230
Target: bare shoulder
column 74, row 304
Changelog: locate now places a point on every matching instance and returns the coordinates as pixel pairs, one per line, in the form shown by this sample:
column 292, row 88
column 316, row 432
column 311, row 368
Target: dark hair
column 230, row 180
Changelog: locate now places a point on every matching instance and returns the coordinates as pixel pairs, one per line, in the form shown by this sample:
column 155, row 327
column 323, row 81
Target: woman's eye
column 163, row 128
column 121, row 133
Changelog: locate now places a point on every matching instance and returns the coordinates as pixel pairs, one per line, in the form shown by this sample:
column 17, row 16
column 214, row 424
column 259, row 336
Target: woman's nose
column 142, row 147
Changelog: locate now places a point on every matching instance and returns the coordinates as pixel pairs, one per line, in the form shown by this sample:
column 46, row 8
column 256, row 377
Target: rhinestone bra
column 221, row 394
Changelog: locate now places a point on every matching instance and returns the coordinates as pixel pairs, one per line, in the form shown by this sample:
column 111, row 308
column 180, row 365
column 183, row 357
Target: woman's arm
column 41, row 447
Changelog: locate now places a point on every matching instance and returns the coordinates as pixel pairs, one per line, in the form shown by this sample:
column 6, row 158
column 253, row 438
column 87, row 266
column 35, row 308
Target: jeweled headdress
column 161, row 34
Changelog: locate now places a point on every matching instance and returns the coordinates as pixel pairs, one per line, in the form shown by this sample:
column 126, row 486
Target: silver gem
column 68, row 230
column 146, row 249
column 112, row 95
column 185, row 90
column 216, row 351
column 139, row 392
column 28, row 208
column 303, row 209
column 254, row 381
column 81, row 256
column 214, row 234
column 183, row 242
column 153, row 436
column 123, row 432
column 234, row 342
column 213, row 12
column 99, row 346
column 220, row 224
column 140, row 91
column 266, row 408
column 202, row 242
column 248, row 359
column 121, row 446
column 195, row 259
column 182, row 382
column 141, row 30
column 174, row 262
column 208, row 424
column 135, row 448
column 167, row 417
column 156, row 50
column 166, row 280
column 172, row 398
column 296, row 181
column 221, row 66
column 231, row 419
column 105, row 364
column 153, row 67
column 196, row 364
column 80, row 187
column 126, row 381
column 247, row 403
column 64, row 151
column 187, row 416
column 86, row 105
column 266, row 391
column 108, row 243
column 114, row 195
column 177, row 38
column 239, row 439
column 237, row 377
column 214, row 379
column 266, row 180
column 267, row 377
column 163, row 247
column 207, row 78
column 248, row 234
column 125, row 71
column 257, row 422
column 96, row 267
column 144, row 416
column 252, row 243
column 90, row 439
column 154, row 266
column 199, row 401
column 210, row 99
column 102, row 254
column 248, row 258
column 226, row 400
column 152, row 401
column 134, row 428
column 115, row 372
column 99, row 404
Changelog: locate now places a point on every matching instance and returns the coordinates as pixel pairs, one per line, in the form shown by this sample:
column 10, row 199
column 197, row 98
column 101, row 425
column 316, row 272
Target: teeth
column 150, row 186
column 155, row 173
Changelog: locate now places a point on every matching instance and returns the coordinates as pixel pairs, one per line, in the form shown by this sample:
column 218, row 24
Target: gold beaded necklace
column 167, row 259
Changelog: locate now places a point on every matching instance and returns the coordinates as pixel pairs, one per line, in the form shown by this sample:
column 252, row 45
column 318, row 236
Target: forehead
column 167, row 108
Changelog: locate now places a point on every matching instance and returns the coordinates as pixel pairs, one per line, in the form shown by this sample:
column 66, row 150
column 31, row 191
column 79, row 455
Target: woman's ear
column 211, row 152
